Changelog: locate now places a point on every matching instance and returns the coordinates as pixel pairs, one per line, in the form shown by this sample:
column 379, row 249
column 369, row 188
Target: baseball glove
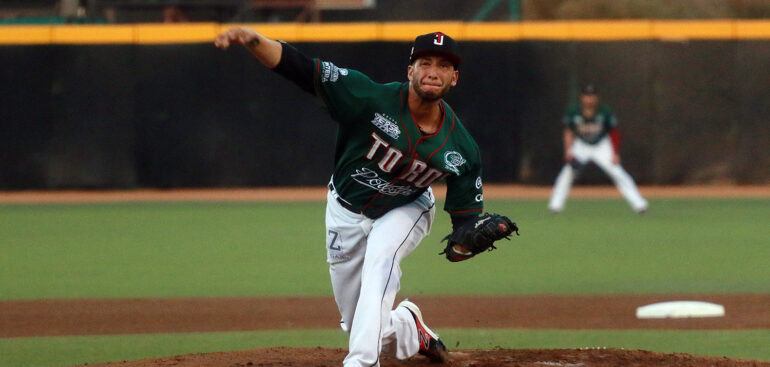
column 478, row 236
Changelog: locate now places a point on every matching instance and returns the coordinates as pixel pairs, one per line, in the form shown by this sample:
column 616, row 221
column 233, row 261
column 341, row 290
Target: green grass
column 62, row 351
column 601, row 246
column 258, row 249
column 271, row 249
column 161, row 250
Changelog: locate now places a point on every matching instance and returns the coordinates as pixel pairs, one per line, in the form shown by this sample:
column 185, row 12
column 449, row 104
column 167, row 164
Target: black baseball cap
column 435, row 43
column 589, row 89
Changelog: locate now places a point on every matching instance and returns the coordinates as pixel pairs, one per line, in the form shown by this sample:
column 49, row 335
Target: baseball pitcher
column 393, row 141
column 591, row 135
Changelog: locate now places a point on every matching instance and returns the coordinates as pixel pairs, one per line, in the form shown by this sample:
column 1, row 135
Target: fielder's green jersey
column 590, row 129
column 382, row 160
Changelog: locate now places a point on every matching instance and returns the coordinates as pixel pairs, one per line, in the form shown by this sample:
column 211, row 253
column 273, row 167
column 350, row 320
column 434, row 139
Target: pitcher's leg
column 400, row 338
column 345, row 248
column 392, row 238
column 561, row 188
column 346, row 283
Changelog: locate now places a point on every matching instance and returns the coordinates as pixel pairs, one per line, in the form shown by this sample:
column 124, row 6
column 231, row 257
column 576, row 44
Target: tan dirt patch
column 136, row 316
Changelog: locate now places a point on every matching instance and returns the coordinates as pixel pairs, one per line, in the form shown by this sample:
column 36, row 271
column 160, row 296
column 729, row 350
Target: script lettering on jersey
column 418, row 173
column 371, row 179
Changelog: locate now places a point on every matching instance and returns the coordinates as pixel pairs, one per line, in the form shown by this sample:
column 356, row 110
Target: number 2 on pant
column 334, row 235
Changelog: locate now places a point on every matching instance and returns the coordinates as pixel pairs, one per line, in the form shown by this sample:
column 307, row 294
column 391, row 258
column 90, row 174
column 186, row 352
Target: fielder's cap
column 435, row 43
column 589, row 89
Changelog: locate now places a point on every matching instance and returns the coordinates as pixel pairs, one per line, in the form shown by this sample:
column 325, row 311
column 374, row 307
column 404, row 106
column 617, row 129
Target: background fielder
column 598, row 140
column 393, row 141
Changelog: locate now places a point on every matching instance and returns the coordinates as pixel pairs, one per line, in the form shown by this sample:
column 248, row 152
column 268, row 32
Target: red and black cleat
column 430, row 344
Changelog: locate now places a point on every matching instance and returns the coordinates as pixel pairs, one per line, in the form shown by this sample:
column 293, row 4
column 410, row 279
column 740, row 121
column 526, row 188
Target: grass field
column 276, row 249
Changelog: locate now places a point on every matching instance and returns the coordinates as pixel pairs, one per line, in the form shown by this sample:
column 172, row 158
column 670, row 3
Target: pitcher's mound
column 323, row 357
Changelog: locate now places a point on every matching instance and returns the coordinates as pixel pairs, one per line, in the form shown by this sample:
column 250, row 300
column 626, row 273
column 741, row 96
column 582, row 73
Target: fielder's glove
column 478, row 236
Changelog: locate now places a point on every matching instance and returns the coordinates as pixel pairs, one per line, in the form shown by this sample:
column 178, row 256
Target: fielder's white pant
column 364, row 256
column 601, row 154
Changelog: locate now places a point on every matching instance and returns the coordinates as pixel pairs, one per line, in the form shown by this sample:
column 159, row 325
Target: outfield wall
column 159, row 106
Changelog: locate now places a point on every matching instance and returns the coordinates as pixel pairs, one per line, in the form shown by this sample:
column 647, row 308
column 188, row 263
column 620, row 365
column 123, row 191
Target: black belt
column 344, row 203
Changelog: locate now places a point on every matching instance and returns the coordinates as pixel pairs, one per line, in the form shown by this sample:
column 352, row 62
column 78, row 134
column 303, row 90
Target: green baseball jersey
column 382, row 160
column 590, row 129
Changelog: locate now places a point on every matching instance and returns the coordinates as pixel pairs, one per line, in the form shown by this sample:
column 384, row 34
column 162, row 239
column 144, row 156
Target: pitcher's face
column 432, row 76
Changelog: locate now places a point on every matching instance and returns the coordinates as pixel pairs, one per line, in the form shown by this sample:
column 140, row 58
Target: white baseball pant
column 601, row 154
column 364, row 256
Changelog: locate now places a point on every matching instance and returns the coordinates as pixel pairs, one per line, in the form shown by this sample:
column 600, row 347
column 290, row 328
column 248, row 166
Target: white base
column 680, row 309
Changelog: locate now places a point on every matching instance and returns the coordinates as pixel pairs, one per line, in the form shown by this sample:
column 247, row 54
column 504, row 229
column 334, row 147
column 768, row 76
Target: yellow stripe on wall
column 752, row 29
column 25, row 35
column 713, row 29
column 283, row 31
column 176, row 33
column 610, row 31
column 503, row 31
column 408, row 31
column 92, row 34
column 349, row 32
column 392, row 32
column 545, row 30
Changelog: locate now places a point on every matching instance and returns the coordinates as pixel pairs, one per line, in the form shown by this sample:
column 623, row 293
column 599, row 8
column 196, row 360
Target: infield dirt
column 137, row 316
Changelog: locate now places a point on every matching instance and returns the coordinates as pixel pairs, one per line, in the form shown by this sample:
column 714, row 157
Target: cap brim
column 454, row 59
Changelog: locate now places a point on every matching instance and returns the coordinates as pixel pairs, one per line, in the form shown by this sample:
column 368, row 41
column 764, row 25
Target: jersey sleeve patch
column 330, row 72
column 344, row 92
column 465, row 194
column 453, row 160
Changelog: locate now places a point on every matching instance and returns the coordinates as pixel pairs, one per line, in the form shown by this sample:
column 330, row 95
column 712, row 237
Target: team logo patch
column 330, row 72
column 439, row 39
column 387, row 125
column 453, row 161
